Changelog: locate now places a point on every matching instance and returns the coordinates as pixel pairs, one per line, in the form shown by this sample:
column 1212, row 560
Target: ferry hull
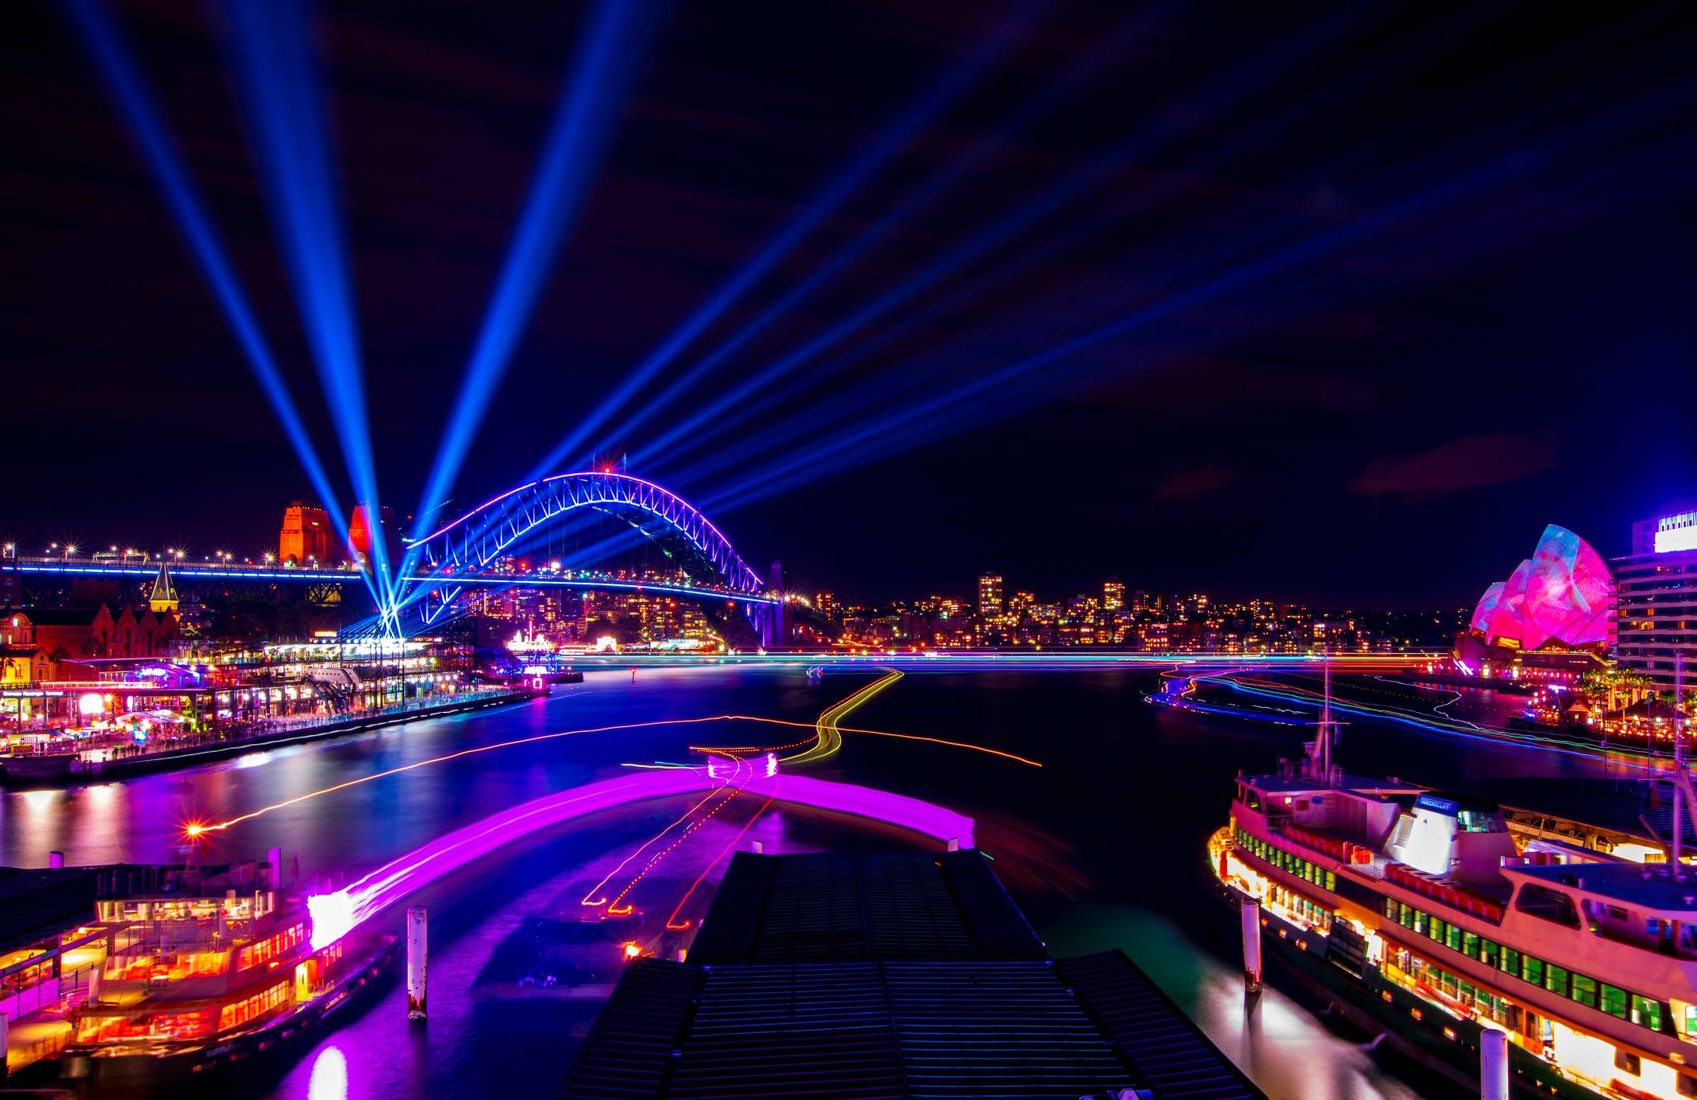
column 1414, row 1028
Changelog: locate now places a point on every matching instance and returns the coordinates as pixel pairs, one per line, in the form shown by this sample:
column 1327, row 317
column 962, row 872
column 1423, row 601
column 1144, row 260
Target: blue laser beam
column 916, row 201
column 124, row 82
column 726, row 408
column 866, row 164
column 285, row 115
column 888, row 433
column 602, row 69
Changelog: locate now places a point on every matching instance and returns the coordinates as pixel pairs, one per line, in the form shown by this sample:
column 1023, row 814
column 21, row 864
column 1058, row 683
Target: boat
column 1429, row 923
column 187, row 975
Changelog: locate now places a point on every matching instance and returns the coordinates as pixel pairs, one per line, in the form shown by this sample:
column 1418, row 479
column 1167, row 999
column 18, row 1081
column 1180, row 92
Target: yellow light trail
column 830, row 735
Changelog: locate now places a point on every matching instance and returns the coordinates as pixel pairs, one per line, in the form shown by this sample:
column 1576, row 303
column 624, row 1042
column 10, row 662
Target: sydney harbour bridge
column 439, row 573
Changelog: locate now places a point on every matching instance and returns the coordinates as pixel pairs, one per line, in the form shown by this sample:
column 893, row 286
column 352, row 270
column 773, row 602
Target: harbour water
column 1102, row 846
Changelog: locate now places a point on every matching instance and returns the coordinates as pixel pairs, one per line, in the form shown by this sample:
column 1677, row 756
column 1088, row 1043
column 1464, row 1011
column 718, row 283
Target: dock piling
column 1493, row 1064
column 1251, row 913
column 417, row 948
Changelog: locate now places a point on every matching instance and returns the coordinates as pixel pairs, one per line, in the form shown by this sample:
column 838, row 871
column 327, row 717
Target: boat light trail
column 594, row 897
column 214, row 827
column 1015, row 757
column 307, row 797
column 124, row 82
column 870, row 161
column 285, row 115
column 830, row 734
column 602, row 69
column 672, row 924
column 337, row 913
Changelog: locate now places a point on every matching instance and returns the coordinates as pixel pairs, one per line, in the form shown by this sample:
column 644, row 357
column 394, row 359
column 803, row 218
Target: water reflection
column 329, row 1075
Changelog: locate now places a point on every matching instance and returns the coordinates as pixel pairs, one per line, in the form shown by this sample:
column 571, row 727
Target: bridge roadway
column 279, row 574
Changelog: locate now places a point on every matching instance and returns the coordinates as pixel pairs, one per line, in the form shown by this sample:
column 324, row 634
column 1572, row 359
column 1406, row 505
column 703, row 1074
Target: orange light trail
column 308, row 796
column 672, row 921
column 1015, row 757
column 214, row 827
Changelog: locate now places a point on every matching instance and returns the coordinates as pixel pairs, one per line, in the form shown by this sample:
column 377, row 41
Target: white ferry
column 1425, row 921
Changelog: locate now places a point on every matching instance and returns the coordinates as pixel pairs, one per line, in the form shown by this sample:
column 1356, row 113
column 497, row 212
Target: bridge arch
column 441, row 563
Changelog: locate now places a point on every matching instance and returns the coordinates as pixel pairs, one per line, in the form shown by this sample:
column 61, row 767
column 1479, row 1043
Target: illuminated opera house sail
column 1562, row 596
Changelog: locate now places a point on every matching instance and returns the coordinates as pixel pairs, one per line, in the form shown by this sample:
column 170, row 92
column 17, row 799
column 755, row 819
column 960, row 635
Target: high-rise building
column 1113, row 595
column 990, row 604
column 1656, row 600
column 305, row 535
column 826, row 602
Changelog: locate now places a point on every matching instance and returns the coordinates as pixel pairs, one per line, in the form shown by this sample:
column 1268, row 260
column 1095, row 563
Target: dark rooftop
column 887, row 976
column 885, row 905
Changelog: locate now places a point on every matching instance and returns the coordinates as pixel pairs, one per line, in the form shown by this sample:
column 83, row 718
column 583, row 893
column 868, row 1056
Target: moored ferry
column 1426, row 922
column 177, row 973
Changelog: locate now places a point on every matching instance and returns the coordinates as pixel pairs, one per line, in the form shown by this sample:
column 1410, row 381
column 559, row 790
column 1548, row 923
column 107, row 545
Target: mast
column 1320, row 755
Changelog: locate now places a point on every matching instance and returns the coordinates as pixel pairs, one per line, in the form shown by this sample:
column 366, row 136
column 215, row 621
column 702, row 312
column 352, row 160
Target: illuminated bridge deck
column 887, row 976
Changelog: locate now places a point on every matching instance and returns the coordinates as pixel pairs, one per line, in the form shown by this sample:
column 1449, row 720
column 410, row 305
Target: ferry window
column 1629, row 1062
column 1470, row 944
column 1420, row 922
column 1532, row 970
column 1551, row 905
column 1687, row 1085
column 1452, row 937
column 1646, row 1013
column 1584, row 990
column 1555, row 979
column 1511, row 960
column 1435, row 928
column 1614, row 1000
column 1488, row 952
column 1391, row 908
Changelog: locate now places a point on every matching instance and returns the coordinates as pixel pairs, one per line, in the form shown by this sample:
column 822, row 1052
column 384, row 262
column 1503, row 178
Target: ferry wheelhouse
column 1437, row 924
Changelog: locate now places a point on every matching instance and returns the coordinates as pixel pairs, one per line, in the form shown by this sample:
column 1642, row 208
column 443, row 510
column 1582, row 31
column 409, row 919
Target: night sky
column 1369, row 295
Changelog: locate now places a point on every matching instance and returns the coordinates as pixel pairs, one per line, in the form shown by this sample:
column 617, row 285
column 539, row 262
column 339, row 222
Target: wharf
column 69, row 770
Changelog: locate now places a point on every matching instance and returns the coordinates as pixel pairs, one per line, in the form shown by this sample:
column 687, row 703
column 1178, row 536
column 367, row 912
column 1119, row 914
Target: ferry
column 1425, row 921
column 180, row 974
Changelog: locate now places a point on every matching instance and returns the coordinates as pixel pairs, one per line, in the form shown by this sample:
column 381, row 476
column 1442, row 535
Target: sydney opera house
column 1553, row 615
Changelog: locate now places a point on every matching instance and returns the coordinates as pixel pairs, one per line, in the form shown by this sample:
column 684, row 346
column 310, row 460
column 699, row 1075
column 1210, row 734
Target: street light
column 70, row 548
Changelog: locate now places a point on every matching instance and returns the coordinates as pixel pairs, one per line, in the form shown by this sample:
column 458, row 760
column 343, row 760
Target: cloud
column 1199, row 481
column 1471, row 462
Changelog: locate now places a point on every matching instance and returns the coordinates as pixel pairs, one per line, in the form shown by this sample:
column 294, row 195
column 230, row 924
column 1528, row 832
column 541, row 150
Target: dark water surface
column 1103, row 846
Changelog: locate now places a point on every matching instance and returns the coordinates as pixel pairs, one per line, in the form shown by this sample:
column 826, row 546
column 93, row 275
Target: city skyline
column 1181, row 459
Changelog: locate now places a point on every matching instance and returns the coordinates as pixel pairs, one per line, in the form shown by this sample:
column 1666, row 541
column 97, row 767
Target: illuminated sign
column 1437, row 805
column 1676, row 533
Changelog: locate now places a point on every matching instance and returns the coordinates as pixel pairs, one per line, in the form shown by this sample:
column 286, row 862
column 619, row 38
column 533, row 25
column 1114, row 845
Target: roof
column 884, row 905
column 1633, row 883
column 887, row 976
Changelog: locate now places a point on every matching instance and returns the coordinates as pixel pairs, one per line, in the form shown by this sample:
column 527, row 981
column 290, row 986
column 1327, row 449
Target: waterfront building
column 1113, row 595
column 305, row 535
column 1656, row 620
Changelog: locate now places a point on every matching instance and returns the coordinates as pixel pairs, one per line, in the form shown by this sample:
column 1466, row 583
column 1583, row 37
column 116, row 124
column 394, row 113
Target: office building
column 1656, row 599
